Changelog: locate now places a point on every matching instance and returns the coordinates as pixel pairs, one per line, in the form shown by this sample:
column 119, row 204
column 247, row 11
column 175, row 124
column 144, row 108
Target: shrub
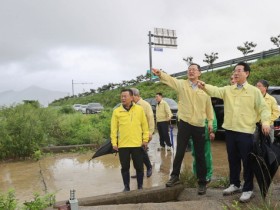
column 66, row 109
column 8, row 200
column 188, row 178
column 23, row 130
column 40, row 202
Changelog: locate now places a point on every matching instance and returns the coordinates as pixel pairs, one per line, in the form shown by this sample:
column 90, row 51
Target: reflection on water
column 100, row 176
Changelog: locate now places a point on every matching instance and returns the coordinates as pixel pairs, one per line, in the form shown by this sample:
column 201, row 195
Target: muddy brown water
column 60, row 173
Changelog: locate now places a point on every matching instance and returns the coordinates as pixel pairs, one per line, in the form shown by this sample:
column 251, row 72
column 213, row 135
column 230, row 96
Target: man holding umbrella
column 151, row 123
column 129, row 132
column 242, row 104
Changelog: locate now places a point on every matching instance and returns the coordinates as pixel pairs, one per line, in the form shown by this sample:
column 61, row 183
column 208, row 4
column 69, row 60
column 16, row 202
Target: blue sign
column 158, row 49
column 153, row 76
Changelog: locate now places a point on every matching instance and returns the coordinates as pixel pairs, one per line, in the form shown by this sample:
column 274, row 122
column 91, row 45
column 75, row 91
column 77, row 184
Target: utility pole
column 150, row 53
column 81, row 83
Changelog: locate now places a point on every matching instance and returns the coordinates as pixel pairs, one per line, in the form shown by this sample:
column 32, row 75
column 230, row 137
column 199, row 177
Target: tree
column 188, row 60
column 276, row 40
column 248, row 48
column 93, row 91
column 210, row 59
column 148, row 76
column 140, row 78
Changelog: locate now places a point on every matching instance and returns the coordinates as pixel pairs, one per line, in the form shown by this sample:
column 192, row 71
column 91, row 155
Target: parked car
column 83, row 108
column 93, row 108
column 77, row 107
column 172, row 104
column 219, row 110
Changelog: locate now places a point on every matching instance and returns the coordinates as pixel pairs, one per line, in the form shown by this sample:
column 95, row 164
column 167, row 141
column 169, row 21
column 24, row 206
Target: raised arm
column 167, row 79
column 213, row 91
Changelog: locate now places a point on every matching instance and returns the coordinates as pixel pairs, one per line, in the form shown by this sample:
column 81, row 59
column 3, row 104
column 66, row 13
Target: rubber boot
column 140, row 176
column 126, row 180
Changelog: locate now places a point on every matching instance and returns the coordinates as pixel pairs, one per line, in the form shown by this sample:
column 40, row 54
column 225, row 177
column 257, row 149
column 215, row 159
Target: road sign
column 152, row 76
column 158, row 49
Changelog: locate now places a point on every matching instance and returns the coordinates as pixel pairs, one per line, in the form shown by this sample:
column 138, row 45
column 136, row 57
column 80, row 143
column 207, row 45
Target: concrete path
column 187, row 199
column 180, row 205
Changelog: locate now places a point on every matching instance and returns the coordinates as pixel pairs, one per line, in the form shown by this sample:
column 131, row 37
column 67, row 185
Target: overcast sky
column 49, row 43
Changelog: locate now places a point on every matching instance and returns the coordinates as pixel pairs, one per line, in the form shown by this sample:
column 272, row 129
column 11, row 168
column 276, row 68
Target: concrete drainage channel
column 152, row 195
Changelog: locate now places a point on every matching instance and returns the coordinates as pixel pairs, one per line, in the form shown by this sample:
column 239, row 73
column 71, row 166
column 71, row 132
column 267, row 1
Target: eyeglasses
column 238, row 71
column 192, row 69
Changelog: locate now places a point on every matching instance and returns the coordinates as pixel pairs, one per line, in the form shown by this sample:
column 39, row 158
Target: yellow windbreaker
column 163, row 112
column 241, row 106
column 194, row 106
column 149, row 114
column 129, row 128
column 273, row 108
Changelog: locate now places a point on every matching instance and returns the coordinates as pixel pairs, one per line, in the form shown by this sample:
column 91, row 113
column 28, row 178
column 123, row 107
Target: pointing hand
column 200, row 84
column 156, row 72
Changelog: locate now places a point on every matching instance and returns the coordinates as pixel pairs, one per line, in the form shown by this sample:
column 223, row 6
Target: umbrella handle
column 170, row 124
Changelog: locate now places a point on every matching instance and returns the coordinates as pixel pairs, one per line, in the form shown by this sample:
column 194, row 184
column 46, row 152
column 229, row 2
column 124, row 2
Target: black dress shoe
column 149, row 172
column 126, row 189
column 201, row 189
column 174, row 180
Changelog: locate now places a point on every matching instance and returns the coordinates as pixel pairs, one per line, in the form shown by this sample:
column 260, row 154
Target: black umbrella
column 171, row 136
column 265, row 160
column 105, row 149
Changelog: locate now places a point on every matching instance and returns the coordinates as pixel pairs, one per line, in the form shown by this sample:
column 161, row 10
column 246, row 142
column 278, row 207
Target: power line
column 79, row 83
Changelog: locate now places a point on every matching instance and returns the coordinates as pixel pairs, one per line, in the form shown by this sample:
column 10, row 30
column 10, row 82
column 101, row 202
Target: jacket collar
column 131, row 105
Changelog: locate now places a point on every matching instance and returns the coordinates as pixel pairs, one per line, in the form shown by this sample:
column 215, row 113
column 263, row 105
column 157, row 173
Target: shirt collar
column 139, row 101
column 129, row 106
column 244, row 85
column 193, row 85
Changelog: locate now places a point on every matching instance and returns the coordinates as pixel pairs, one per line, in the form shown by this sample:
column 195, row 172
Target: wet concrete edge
column 59, row 149
column 151, row 195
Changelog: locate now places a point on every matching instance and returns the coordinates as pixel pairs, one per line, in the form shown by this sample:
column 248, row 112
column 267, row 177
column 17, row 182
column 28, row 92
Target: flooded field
column 61, row 172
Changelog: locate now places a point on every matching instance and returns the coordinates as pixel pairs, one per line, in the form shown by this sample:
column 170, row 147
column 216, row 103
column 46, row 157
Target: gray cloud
column 52, row 42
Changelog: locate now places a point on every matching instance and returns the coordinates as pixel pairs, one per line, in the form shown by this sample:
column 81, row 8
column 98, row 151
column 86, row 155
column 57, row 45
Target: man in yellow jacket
column 151, row 123
column 129, row 132
column 194, row 106
column 163, row 117
column 271, row 104
column 242, row 104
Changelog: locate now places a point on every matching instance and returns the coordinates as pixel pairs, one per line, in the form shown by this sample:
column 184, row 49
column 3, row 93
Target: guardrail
column 255, row 56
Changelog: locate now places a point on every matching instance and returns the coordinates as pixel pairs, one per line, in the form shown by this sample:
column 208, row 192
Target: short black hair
column 264, row 83
column 198, row 66
column 127, row 90
column 160, row 94
column 245, row 65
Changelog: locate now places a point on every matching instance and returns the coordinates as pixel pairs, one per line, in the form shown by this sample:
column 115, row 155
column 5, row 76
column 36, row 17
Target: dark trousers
column 136, row 154
column 146, row 159
column 185, row 131
column 239, row 145
column 163, row 133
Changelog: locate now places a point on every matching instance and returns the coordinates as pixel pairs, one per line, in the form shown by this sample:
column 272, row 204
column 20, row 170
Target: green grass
column 268, row 69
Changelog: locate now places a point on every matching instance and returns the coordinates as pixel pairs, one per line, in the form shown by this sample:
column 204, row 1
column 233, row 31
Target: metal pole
column 150, row 53
column 73, row 88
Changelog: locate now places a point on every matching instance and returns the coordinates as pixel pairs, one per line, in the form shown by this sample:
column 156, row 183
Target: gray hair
column 135, row 91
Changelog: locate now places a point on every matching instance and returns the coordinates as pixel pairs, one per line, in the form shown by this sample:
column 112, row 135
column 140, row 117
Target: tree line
column 247, row 48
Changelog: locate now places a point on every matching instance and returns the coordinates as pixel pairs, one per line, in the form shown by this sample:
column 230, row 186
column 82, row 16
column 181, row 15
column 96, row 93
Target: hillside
column 44, row 96
column 268, row 69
